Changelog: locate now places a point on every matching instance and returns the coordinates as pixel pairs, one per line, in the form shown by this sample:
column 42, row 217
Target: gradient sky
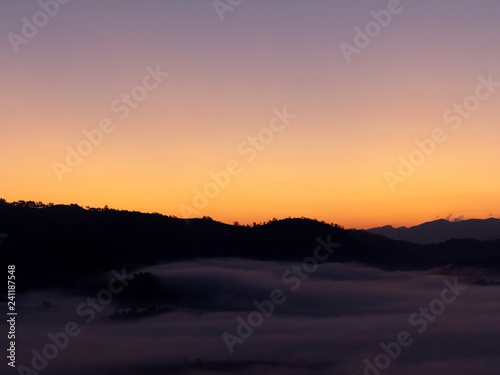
column 226, row 78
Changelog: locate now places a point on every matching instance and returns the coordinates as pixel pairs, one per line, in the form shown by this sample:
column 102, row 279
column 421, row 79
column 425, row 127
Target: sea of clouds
column 332, row 323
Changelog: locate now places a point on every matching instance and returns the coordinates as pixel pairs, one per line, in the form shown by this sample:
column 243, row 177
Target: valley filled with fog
column 185, row 317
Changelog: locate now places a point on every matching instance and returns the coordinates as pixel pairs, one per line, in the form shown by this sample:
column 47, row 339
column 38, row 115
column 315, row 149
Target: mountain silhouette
column 57, row 245
column 443, row 230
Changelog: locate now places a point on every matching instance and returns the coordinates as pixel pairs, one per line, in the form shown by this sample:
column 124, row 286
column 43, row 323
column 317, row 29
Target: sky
column 336, row 97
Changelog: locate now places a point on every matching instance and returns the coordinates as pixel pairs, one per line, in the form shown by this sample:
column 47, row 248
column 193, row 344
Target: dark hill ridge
column 56, row 245
column 443, row 230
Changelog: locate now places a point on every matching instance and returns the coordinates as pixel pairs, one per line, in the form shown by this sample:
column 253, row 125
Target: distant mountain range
column 442, row 230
